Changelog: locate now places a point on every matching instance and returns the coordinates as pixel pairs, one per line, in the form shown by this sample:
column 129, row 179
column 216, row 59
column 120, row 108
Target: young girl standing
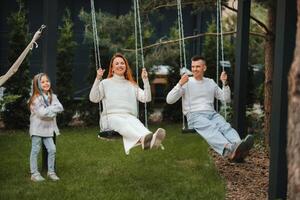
column 44, row 106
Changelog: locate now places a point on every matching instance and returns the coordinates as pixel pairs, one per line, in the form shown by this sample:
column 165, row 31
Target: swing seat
column 109, row 134
column 188, row 130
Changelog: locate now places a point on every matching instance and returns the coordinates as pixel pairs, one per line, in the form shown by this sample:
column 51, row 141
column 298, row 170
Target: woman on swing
column 120, row 94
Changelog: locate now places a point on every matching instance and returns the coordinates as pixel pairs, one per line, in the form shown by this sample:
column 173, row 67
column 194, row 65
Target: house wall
column 50, row 12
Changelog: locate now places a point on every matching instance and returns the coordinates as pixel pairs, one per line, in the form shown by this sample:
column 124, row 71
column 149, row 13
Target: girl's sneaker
column 37, row 177
column 52, row 176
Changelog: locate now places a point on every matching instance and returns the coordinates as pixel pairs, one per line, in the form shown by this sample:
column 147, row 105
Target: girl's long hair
column 127, row 74
column 35, row 89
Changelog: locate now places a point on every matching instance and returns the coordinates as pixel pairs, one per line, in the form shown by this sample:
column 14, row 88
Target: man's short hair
column 198, row 57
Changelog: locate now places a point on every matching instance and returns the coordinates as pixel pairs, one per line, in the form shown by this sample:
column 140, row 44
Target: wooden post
column 283, row 57
column 241, row 67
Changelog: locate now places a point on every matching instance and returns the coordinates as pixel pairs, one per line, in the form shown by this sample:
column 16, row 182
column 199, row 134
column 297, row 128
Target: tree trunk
column 269, row 63
column 293, row 146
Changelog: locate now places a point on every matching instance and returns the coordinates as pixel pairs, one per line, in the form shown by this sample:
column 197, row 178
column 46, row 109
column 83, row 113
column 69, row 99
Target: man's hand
column 223, row 78
column 184, row 79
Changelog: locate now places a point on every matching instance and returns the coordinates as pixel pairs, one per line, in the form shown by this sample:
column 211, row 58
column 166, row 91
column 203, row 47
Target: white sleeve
column 175, row 94
column 144, row 95
column 223, row 94
column 96, row 93
column 41, row 110
column 56, row 106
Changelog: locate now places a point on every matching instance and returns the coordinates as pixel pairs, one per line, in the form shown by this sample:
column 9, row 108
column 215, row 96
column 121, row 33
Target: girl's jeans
column 36, row 142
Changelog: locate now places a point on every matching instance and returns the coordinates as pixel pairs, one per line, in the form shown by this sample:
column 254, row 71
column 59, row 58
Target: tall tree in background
column 65, row 57
column 293, row 145
column 16, row 114
column 269, row 63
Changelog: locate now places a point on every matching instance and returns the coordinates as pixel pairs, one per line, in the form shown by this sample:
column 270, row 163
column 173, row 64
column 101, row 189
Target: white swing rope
column 95, row 37
column 220, row 34
column 136, row 51
column 138, row 30
column 96, row 51
column 182, row 52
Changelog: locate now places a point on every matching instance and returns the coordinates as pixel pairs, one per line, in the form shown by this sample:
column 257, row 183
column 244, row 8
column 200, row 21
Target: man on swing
column 198, row 94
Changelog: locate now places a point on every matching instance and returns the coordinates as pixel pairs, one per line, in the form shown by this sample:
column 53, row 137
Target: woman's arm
column 97, row 93
column 144, row 95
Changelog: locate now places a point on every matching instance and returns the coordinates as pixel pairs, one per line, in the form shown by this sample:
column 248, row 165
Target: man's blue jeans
column 213, row 128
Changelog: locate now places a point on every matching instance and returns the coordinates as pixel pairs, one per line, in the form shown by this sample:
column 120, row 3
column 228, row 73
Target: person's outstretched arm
column 177, row 92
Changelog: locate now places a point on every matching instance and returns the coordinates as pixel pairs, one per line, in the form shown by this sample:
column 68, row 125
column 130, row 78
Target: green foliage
column 210, row 53
column 65, row 57
column 256, row 52
column 91, row 168
column 16, row 113
column 6, row 100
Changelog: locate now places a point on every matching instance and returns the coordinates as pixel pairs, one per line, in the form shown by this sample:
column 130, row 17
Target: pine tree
column 65, row 58
column 16, row 114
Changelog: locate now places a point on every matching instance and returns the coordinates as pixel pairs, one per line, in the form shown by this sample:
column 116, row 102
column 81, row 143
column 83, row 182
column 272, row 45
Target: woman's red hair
column 127, row 74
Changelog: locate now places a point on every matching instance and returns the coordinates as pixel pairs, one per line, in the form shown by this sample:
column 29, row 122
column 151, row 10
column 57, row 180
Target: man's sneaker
column 146, row 141
column 157, row 138
column 37, row 177
column 249, row 142
column 229, row 149
column 52, row 176
column 242, row 149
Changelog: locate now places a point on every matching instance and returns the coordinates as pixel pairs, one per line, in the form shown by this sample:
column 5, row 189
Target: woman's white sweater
column 118, row 95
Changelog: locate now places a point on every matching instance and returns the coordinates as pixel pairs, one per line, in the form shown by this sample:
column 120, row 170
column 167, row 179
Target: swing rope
column 96, row 51
column 95, row 37
column 220, row 34
column 182, row 52
column 138, row 31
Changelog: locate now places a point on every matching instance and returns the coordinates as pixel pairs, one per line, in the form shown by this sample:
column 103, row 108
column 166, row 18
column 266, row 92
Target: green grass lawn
column 91, row 168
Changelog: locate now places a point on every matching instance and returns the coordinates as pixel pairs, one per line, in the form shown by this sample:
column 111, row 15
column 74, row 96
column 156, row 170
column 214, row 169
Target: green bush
column 65, row 57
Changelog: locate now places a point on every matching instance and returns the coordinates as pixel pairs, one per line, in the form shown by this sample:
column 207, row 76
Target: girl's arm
column 41, row 110
column 56, row 106
column 144, row 95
